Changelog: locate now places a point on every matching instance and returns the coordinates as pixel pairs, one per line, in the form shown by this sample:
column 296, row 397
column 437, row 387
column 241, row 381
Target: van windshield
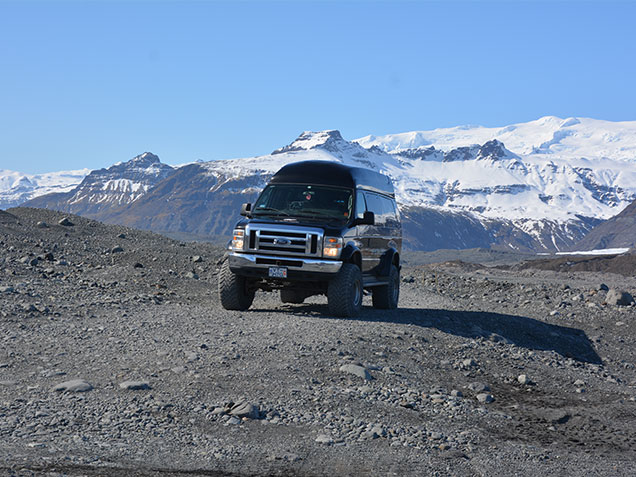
column 304, row 201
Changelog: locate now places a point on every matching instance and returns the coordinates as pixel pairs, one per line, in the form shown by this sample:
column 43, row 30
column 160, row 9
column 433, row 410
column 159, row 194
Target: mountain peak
column 329, row 140
column 495, row 150
column 145, row 159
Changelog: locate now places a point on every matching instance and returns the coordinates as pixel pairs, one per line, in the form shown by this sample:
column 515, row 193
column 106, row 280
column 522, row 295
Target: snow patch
column 602, row 251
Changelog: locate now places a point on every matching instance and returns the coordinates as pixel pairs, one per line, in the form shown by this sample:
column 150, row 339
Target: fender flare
column 388, row 258
column 348, row 255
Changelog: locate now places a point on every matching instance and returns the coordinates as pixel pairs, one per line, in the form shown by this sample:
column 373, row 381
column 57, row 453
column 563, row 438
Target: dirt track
column 149, row 313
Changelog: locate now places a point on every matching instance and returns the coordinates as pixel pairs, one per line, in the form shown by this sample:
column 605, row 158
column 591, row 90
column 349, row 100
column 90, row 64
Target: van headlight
column 332, row 247
column 237, row 239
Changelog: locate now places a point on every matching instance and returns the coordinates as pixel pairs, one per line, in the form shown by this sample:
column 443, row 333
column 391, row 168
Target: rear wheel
column 344, row 293
column 233, row 290
column 386, row 296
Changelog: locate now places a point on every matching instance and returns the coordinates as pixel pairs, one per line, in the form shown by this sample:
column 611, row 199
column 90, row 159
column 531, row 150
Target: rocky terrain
column 117, row 359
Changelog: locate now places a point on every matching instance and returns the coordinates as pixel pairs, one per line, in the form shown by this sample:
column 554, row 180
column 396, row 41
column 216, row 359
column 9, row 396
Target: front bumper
column 246, row 261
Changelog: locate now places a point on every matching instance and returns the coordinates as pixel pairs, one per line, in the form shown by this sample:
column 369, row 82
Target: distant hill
column 616, row 232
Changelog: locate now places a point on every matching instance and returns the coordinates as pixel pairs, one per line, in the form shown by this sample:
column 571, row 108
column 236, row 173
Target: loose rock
column 324, row 439
column 619, row 298
column 134, row 385
column 485, row 398
column 523, row 379
column 244, row 409
column 478, row 387
column 358, row 370
column 66, row 222
column 73, row 386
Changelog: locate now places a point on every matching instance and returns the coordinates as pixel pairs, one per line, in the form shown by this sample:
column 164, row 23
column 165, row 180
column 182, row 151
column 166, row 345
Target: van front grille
column 284, row 240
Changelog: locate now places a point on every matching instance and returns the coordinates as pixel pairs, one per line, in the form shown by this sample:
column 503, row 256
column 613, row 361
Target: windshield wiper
column 272, row 209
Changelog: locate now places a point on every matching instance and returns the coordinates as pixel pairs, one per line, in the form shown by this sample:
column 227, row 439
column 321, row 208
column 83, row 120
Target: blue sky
column 87, row 84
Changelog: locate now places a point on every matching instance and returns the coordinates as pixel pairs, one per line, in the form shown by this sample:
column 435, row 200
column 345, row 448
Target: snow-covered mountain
column 567, row 138
column 105, row 189
column 16, row 187
column 559, row 168
column 542, row 201
column 562, row 170
column 533, row 186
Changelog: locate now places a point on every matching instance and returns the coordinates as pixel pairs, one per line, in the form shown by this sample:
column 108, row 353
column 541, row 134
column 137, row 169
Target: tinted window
column 388, row 207
column 304, row 201
column 375, row 205
column 361, row 205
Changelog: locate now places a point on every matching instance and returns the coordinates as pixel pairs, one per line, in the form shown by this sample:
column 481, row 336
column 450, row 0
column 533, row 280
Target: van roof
column 333, row 174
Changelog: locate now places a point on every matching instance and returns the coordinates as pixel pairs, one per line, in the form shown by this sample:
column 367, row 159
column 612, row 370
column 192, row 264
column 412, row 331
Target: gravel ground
column 117, row 359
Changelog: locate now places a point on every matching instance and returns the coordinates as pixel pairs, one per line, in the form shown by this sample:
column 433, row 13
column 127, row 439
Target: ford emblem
column 281, row 241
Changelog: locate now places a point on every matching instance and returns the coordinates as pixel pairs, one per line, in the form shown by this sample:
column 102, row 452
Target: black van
column 318, row 227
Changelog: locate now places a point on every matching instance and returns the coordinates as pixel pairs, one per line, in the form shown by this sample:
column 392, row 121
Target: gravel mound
column 7, row 218
column 624, row 264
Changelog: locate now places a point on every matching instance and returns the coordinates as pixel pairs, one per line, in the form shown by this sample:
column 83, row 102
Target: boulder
column 66, row 222
column 356, row 369
column 618, row 297
column 244, row 409
column 73, row 386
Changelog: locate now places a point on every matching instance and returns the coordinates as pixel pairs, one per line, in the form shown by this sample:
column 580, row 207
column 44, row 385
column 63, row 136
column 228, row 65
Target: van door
column 363, row 233
column 394, row 227
column 377, row 241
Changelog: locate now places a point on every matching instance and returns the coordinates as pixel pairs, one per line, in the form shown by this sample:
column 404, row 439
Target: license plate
column 278, row 272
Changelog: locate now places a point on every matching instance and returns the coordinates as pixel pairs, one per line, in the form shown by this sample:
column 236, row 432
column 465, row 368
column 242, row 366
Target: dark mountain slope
column 618, row 231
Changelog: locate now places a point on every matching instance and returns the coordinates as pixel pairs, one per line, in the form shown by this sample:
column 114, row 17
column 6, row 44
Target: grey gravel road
column 117, row 359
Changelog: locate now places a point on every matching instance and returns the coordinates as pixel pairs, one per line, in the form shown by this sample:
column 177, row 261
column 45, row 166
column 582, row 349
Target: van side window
column 374, row 204
column 388, row 207
column 397, row 210
column 361, row 205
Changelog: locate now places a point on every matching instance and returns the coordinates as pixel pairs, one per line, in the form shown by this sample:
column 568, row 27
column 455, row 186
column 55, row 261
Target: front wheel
column 344, row 293
column 386, row 296
column 233, row 291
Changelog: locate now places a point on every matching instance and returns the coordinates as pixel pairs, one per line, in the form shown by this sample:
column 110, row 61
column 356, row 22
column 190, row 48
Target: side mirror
column 368, row 218
column 246, row 209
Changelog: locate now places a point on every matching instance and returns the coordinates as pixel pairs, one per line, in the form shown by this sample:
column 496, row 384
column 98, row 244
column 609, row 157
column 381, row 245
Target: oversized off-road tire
column 344, row 293
column 233, row 291
column 291, row 296
column 386, row 296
